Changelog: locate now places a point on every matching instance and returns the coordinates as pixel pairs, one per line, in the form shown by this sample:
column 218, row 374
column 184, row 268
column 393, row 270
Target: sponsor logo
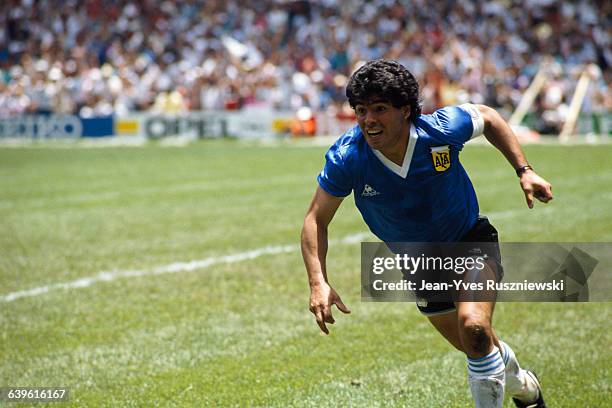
column 42, row 127
column 368, row 191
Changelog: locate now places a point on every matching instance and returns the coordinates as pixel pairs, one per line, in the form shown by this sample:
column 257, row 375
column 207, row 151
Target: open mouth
column 374, row 133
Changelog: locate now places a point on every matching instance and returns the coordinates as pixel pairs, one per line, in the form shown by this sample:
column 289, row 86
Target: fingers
column 327, row 316
column 323, row 328
column 320, row 322
column 535, row 186
column 529, row 197
column 321, row 308
column 323, row 315
column 544, row 194
column 341, row 306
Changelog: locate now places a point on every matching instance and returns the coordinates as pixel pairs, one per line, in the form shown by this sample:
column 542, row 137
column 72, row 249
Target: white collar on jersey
column 402, row 170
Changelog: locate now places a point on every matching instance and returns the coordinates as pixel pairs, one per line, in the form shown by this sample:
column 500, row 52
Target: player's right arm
column 322, row 209
column 500, row 135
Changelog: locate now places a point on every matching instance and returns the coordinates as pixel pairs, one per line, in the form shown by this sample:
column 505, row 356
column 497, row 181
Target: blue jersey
column 429, row 198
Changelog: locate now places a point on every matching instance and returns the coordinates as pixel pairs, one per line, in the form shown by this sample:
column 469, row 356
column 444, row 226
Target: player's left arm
column 500, row 135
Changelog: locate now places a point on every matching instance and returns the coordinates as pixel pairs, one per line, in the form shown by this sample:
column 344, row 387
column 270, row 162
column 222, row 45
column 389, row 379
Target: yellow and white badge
column 440, row 155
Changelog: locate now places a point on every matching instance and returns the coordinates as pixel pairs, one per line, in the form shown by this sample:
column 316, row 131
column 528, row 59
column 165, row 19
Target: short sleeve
column 334, row 178
column 458, row 124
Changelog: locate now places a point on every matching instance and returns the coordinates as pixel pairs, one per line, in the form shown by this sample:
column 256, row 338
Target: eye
column 381, row 108
column 360, row 110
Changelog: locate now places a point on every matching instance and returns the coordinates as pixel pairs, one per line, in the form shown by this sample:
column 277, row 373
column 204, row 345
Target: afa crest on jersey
column 440, row 156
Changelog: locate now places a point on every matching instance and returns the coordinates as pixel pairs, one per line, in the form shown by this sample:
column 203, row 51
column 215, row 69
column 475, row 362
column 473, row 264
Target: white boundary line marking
column 177, row 267
column 169, row 268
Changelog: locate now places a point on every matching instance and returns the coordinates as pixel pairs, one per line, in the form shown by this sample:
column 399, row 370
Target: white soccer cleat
column 539, row 402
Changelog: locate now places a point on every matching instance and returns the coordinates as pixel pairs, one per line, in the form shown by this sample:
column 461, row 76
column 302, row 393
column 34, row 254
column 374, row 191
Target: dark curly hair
column 388, row 80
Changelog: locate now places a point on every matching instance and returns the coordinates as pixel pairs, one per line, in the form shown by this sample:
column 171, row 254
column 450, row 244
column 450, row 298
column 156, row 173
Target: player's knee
column 476, row 336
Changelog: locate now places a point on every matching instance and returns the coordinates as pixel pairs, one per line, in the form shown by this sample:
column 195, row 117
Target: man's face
column 383, row 125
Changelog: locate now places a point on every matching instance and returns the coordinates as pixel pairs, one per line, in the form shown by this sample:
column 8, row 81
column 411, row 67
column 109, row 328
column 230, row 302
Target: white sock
column 486, row 378
column 518, row 383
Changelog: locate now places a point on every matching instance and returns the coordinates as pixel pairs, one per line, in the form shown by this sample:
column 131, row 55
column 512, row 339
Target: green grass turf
column 240, row 334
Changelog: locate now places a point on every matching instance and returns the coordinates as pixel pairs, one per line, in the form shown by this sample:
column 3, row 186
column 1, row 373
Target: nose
column 369, row 118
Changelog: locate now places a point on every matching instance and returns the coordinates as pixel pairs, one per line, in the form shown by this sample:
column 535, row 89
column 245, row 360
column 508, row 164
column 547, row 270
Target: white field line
column 177, row 267
column 170, row 268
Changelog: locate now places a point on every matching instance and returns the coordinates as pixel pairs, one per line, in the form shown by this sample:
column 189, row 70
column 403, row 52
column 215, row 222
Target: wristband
column 521, row 170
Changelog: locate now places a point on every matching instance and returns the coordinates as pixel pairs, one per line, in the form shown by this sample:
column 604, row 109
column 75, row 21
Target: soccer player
column 404, row 171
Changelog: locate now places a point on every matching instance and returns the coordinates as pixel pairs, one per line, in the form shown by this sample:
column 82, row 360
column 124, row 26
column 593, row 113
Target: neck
column 397, row 152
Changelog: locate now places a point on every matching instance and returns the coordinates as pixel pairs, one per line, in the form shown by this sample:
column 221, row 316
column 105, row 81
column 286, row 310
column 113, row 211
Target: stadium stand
column 94, row 57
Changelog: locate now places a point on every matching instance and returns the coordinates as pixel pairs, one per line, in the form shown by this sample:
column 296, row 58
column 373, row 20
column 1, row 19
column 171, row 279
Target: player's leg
column 469, row 329
column 471, row 323
column 446, row 324
column 475, row 320
column 486, row 370
column 520, row 384
column 467, row 326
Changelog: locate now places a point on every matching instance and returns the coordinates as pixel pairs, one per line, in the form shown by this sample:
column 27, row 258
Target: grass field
column 234, row 331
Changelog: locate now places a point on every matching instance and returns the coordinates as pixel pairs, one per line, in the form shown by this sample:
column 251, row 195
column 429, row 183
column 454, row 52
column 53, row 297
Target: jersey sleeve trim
column 477, row 119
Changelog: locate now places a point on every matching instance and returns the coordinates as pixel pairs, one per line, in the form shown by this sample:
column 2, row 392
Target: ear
column 406, row 112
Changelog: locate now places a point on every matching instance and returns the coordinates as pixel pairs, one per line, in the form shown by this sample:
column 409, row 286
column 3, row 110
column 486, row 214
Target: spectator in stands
column 95, row 57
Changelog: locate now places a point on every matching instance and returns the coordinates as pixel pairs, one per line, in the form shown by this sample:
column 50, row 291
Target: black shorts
column 485, row 235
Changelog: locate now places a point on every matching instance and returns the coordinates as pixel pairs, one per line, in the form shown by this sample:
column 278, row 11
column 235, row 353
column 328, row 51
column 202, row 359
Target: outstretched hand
column 535, row 186
column 321, row 299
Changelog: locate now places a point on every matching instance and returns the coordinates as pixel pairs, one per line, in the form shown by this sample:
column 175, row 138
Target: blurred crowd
column 98, row 57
